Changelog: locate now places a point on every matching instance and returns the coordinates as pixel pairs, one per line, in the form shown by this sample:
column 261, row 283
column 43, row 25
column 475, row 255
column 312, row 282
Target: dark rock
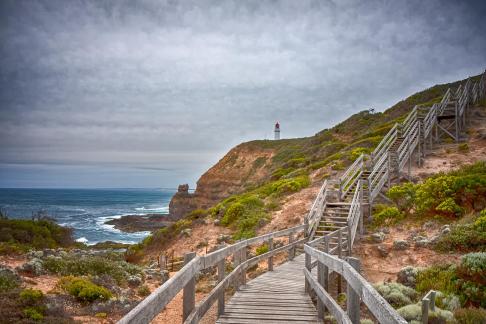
column 378, row 237
column 140, row 223
column 383, row 251
column 407, row 276
column 134, row 281
column 33, row 267
column 400, row 245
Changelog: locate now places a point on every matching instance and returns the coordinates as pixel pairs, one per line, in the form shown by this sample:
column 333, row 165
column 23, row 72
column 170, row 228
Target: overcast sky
column 152, row 93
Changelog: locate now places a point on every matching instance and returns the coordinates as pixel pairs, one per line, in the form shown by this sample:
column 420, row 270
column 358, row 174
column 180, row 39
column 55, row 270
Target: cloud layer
column 151, row 93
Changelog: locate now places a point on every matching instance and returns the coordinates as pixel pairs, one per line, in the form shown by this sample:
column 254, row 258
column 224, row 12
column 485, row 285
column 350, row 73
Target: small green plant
column 463, row 148
column 8, row 281
column 463, row 237
column 387, row 216
column 83, row 289
column 33, row 314
column 101, row 315
column 143, row 290
column 31, row 296
column 262, row 249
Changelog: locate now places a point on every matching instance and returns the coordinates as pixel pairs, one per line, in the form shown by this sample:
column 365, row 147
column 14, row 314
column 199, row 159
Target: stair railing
column 378, row 176
column 355, row 215
column 350, row 176
column 385, row 144
column 312, row 218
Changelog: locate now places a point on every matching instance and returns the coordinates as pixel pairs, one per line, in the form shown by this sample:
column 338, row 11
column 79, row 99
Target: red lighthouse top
column 277, row 125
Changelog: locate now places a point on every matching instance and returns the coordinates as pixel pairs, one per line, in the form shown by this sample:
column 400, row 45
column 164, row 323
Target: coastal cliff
column 244, row 166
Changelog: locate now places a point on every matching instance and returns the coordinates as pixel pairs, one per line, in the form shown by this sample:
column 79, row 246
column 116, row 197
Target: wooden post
column 292, row 249
column 243, row 272
column 361, row 208
column 270, row 259
column 189, row 292
column 350, row 244
column 432, row 301
column 457, row 123
column 425, row 310
column 308, row 267
column 409, row 157
column 352, row 298
column 326, row 269
column 236, row 262
column 340, row 255
column 221, row 270
column 320, row 279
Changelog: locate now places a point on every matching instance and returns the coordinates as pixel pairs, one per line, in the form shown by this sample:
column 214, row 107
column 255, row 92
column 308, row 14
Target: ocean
column 86, row 210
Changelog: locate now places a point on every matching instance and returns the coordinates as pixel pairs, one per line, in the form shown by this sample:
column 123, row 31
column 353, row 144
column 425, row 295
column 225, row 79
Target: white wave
column 164, row 210
column 82, row 240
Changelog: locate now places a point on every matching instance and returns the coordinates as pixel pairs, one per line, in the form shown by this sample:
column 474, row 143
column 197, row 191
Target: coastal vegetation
column 19, row 235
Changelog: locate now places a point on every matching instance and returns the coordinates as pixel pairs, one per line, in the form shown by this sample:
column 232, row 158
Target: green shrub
column 463, row 148
column 396, row 294
column 439, row 277
column 262, row 249
column 83, row 289
column 33, row 314
column 403, row 196
column 449, row 207
column 356, row 153
column 472, row 279
column 23, row 234
column 143, row 291
column 92, row 266
column 8, row 281
column 467, row 237
column 470, row 316
column 413, row 312
column 31, row 296
column 480, row 223
column 387, row 216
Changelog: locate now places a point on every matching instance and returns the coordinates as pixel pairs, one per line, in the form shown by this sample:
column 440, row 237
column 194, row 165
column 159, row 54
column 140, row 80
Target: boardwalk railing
column 185, row 279
column 358, row 289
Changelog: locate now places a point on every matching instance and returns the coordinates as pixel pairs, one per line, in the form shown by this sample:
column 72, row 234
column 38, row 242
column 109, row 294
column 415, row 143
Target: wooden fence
column 185, row 279
column 358, row 289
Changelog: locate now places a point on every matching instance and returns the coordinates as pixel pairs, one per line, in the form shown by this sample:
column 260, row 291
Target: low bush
column 92, row 266
column 143, row 291
column 449, row 195
column 31, row 296
column 20, row 235
column 262, row 249
column 83, row 289
column 33, row 314
column 396, row 294
column 463, row 237
column 463, row 148
column 8, row 280
column 470, row 316
column 439, row 277
column 387, row 216
column 403, row 196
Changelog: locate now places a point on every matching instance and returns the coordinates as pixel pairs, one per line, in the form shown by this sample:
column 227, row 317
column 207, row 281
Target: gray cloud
column 164, row 88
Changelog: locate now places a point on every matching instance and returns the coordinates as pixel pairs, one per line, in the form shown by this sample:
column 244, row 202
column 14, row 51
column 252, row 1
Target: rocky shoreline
column 140, row 223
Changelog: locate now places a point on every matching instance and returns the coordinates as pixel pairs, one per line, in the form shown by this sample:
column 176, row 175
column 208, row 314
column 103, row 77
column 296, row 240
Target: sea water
column 87, row 210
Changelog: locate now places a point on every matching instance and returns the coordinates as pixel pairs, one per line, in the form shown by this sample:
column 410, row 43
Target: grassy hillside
column 292, row 161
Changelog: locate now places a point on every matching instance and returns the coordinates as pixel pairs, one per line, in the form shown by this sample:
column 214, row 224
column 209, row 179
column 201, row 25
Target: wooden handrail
column 376, row 304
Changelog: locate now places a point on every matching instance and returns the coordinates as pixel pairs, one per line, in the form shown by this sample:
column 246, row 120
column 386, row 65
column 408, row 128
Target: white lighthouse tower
column 277, row 131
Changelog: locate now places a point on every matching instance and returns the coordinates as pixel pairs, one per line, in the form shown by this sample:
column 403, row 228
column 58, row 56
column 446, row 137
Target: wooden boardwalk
column 275, row 297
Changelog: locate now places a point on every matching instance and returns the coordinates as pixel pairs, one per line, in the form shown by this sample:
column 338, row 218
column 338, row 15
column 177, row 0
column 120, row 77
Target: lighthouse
column 277, row 131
